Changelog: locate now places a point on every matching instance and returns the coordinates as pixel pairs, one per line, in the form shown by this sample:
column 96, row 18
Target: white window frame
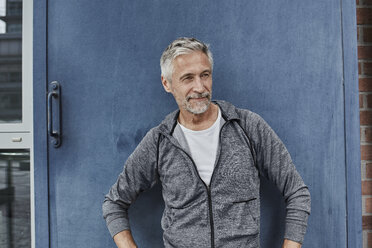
column 25, row 126
column 20, row 135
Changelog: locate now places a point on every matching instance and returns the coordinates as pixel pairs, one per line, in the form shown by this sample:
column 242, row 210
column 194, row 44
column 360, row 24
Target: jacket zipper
column 209, row 200
column 211, row 217
column 210, row 184
column 206, row 186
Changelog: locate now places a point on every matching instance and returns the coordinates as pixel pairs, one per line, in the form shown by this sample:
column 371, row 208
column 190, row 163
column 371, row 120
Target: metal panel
column 281, row 59
column 352, row 133
column 40, row 127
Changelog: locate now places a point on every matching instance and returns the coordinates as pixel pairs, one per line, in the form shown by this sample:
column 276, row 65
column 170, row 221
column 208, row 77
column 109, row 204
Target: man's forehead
column 191, row 59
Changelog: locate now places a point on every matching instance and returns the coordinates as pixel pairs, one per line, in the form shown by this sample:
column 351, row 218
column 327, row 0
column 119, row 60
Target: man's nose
column 198, row 85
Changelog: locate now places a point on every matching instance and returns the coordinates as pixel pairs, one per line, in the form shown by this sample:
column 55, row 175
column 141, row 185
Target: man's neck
column 198, row 122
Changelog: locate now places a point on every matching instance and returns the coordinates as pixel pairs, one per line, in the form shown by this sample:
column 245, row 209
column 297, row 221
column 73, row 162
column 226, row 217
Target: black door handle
column 54, row 117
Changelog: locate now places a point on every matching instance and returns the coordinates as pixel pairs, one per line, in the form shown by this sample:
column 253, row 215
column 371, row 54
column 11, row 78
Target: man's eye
column 188, row 78
column 205, row 75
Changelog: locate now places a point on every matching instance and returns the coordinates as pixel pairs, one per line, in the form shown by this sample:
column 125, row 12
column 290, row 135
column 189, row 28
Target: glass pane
column 15, row 217
column 11, row 61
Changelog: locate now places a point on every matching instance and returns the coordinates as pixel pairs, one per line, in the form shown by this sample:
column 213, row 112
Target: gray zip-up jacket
column 227, row 213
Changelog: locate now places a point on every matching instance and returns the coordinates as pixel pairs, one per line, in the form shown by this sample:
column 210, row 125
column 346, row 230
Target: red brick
column 367, row 34
column 366, row 187
column 367, row 134
column 357, row 2
column 358, row 34
column 369, row 240
column 364, row 52
column 366, row 154
column 369, row 170
column 366, row 2
column 365, row 84
column 364, row 15
column 365, row 117
column 360, row 101
column 367, row 68
column 367, row 222
column 368, row 205
column 369, row 101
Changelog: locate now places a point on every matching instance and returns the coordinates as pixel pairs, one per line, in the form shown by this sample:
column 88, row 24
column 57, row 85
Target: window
column 16, row 151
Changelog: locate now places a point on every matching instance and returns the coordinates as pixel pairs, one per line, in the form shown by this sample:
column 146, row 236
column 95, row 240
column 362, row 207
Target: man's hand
column 124, row 239
column 291, row 244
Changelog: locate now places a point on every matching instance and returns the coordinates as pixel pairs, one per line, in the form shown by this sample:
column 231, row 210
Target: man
column 208, row 157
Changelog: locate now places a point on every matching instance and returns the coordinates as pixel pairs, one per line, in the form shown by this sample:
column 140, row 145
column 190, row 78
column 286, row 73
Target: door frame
column 40, row 138
column 351, row 123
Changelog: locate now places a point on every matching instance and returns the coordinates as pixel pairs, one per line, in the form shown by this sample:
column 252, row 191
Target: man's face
column 191, row 82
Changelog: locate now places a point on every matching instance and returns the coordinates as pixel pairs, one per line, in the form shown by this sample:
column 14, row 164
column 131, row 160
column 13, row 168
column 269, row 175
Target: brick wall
column 364, row 22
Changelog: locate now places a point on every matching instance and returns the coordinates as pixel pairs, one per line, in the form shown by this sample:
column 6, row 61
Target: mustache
column 199, row 95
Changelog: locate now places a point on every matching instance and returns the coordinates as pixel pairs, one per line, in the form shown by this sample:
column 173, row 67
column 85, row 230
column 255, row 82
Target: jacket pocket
column 248, row 204
column 172, row 214
column 238, row 218
column 244, row 200
column 187, row 226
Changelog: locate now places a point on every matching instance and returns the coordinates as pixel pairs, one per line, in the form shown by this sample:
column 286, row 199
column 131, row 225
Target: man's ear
column 166, row 84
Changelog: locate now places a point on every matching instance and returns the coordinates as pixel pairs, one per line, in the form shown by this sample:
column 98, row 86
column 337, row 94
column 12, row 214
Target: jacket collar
column 228, row 112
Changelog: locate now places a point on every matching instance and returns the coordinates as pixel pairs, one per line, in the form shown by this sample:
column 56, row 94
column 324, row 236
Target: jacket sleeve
column 274, row 162
column 138, row 175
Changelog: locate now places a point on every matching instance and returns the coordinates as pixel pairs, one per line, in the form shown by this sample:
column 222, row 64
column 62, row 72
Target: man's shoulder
column 164, row 127
column 251, row 121
column 233, row 112
column 248, row 115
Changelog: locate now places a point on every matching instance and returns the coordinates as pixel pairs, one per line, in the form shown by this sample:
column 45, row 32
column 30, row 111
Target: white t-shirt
column 203, row 146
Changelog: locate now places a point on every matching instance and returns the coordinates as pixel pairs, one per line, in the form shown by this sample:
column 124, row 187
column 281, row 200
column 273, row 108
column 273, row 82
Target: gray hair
column 178, row 47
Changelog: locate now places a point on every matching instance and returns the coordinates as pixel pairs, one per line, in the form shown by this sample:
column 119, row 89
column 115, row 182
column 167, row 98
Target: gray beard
column 200, row 107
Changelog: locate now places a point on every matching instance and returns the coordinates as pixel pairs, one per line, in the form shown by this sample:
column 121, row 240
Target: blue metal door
column 289, row 61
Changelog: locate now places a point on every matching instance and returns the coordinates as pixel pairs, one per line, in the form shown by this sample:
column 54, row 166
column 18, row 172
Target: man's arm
column 139, row 174
column 124, row 239
column 275, row 163
column 290, row 244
